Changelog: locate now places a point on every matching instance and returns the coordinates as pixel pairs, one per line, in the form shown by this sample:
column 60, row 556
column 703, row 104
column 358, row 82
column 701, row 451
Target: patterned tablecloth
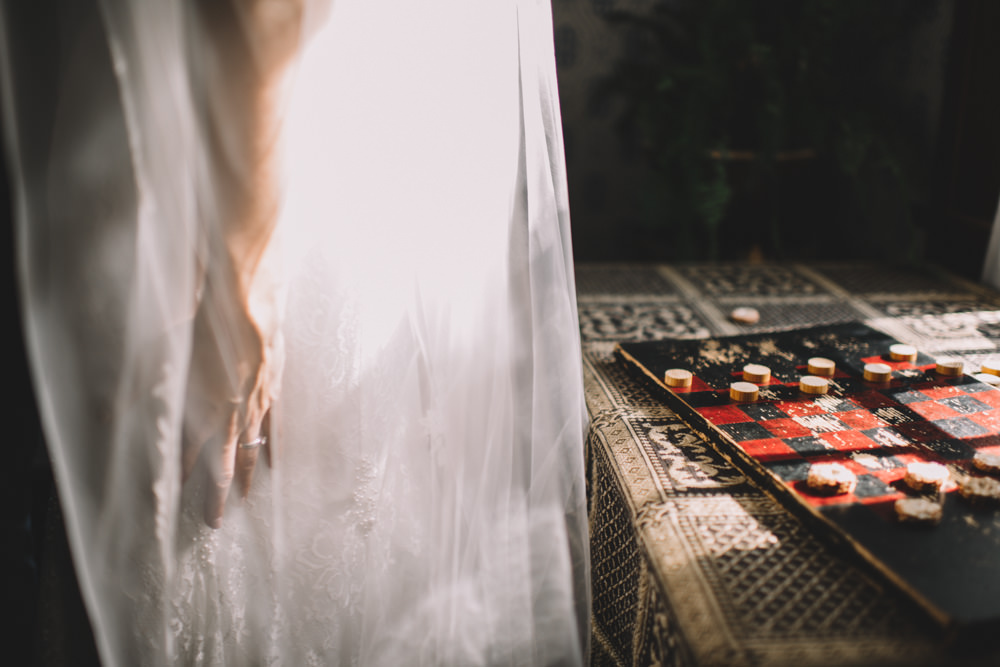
column 692, row 563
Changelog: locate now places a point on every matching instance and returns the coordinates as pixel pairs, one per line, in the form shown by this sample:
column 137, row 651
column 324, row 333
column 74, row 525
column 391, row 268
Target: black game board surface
column 951, row 569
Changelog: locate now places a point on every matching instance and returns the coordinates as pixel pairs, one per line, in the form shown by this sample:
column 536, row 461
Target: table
column 692, row 563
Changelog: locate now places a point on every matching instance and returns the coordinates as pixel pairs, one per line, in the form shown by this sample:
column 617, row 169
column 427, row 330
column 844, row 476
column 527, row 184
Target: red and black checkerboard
column 952, row 569
column 873, row 431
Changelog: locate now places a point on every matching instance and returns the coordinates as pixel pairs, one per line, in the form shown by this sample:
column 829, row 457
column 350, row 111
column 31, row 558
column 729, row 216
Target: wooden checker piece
column 821, row 367
column 743, row 392
column 877, row 373
column 987, row 463
column 991, row 366
column 902, row 352
column 988, row 378
column 925, row 542
column 831, row 479
column 678, row 378
column 949, row 367
column 921, row 511
column 745, row 315
column 980, row 491
column 756, row 373
column 810, row 384
column 924, row 476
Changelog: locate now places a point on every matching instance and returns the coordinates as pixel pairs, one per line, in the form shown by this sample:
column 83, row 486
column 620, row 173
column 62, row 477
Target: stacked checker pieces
column 873, row 428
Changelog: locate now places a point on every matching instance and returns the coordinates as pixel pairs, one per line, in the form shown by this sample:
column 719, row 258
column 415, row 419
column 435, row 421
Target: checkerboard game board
column 951, row 569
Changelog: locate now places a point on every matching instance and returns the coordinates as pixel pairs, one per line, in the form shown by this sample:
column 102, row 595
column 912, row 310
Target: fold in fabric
column 991, row 263
column 427, row 506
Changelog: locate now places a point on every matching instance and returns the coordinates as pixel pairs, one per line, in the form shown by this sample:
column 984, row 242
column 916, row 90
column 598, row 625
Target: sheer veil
column 425, row 505
column 991, row 263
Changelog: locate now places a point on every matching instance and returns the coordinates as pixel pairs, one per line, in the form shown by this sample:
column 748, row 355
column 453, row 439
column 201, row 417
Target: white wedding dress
column 427, row 506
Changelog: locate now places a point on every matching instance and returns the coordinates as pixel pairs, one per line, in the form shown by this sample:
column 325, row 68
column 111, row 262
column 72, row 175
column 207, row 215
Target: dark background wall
column 967, row 164
column 943, row 74
column 604, row 198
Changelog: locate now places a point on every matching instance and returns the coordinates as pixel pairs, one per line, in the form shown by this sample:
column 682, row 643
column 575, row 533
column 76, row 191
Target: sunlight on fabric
column 950, row 332
column 724, row 525
column 341, row 135
column 751, row 536
column 727, row 526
